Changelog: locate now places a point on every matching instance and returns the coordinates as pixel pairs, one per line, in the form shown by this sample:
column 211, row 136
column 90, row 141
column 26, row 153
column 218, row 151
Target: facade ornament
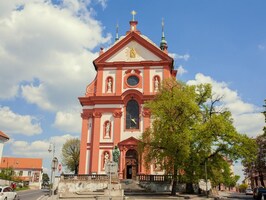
column 117, row 114
column 109, row 85
column 156, row 84
column 97, row 114
column 106, row 159
column 86, row 115
column 132, row 53
column 107, row 129
column 146, row 113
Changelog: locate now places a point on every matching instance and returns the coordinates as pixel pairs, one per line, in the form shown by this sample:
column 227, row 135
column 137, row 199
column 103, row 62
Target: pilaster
column 117, row 126
column 83, row 142
column 95, row 143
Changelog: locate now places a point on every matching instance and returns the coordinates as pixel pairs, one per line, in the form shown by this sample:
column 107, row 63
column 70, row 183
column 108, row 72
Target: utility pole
column 51, row 148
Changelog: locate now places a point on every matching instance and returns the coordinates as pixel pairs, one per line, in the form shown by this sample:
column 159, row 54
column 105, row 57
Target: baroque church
column 113, row 115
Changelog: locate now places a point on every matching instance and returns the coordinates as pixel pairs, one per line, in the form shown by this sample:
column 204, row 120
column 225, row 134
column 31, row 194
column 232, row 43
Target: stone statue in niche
column 156, row 84
column 107, row 129
column 106, row 159
column 109, row 85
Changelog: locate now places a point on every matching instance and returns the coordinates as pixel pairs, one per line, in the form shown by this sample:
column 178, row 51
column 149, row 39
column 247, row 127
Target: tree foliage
column 70, row 154
column 7, row 173
column 190, row 131
column 258, row 166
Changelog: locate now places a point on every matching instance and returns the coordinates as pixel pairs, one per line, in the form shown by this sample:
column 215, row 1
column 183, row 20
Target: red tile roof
column 3, row 136
column 21, row 163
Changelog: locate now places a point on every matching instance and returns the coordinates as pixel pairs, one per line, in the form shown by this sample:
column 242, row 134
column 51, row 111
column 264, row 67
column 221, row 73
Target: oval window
column 132, row 80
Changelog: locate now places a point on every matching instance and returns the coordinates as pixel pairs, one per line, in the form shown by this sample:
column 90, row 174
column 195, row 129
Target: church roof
column 136, row 36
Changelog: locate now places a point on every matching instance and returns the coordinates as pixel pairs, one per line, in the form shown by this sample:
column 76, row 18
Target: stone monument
column 114, row 188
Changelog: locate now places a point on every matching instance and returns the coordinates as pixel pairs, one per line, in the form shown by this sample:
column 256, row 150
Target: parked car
column 249, row 192
column 257, row 192
column 6, row 193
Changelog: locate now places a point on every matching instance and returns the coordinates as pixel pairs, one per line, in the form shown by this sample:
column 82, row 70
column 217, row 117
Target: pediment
column 133, row 52
column 132, row 48
column 129, row 142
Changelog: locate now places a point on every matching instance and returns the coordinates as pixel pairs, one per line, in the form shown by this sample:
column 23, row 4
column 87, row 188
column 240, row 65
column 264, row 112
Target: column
column 118, row 80
column 117, row 126
column 95, row 143
column 146, row 124
column 146, row 80
column 122, row 163
column 83, row 142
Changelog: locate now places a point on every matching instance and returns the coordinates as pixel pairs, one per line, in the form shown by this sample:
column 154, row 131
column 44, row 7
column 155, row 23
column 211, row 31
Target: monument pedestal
column 114, row 190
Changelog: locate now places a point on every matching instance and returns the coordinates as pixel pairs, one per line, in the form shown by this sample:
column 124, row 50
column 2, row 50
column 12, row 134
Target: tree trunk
column 173, row 192
column 261, row 179
column 189, row 188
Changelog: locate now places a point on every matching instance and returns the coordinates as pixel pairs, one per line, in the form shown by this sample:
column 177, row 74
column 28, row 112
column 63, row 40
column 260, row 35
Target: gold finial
column 133, row 15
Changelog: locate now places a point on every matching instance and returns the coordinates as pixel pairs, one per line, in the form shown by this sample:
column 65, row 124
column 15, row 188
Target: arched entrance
column 131, row 168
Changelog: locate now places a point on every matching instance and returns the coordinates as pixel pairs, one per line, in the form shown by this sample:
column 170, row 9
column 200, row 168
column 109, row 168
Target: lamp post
column 51, row 148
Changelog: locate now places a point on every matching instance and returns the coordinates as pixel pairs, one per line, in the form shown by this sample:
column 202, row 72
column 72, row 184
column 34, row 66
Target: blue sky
column 47, row 48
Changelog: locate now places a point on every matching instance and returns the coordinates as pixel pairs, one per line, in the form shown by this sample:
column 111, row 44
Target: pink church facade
column 113, row 114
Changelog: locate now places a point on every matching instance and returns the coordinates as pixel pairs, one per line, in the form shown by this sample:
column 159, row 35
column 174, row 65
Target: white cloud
column 181, row 70
column 13, row 123
column 39, row 148
column 55, row 49
column 261, row 46
column 247, row 117
column 36, row 95
column 184, row 57
column 68, row 121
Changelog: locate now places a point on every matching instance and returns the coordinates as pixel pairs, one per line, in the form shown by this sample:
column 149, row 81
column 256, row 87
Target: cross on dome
column 133, row 12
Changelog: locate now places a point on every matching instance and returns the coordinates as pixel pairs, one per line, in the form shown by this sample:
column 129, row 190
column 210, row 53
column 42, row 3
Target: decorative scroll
column 97, row 114
column 117, row 114
column 146, row 113
column 86, row 115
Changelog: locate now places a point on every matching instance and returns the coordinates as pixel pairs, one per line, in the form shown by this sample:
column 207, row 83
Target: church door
column 131, row 164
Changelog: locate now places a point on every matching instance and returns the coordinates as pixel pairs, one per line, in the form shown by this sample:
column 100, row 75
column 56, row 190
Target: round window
column 132, row 80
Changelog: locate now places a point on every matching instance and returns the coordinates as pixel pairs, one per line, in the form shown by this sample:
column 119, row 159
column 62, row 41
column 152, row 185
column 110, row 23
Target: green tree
column 70, row 154
column 188, row 132
column 259, row 164
column 7, row 173
column 174, row 110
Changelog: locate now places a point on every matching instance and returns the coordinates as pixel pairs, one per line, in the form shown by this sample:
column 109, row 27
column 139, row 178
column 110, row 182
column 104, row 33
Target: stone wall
column 81, row 185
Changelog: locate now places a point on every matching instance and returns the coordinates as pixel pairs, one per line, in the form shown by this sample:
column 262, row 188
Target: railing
column 84, row 177
column 154, row 178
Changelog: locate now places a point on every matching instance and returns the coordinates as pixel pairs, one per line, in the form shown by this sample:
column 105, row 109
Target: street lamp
column 51, row 148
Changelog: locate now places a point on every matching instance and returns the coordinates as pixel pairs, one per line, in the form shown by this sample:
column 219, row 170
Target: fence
column 84, row 177
column 154, row 178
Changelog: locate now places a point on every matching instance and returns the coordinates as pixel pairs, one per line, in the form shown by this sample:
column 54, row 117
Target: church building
column 129, row 73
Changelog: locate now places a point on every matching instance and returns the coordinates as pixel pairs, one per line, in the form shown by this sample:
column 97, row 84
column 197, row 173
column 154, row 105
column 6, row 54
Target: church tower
column 128, row 74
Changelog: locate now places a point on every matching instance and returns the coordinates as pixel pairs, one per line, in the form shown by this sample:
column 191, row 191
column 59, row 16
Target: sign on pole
column 111, row 168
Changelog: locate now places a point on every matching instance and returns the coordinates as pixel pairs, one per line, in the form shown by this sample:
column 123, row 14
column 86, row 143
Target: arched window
column 132, row 116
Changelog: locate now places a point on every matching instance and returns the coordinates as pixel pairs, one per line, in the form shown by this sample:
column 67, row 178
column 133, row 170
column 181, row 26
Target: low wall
column 156, row 186
column 74, row 184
